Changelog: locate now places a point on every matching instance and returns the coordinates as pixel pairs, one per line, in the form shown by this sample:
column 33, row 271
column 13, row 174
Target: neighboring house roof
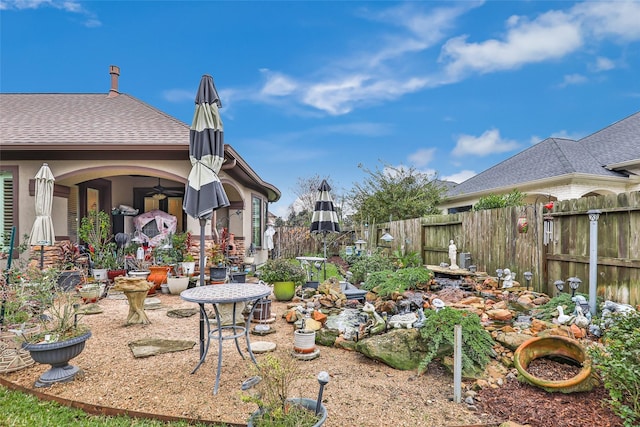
column 554, row 157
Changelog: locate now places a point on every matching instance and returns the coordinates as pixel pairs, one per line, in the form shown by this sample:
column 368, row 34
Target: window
column 256, row 221
column 9, row 211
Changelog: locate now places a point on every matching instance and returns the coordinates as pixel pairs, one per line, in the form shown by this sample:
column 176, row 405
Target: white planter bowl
column 177, row 284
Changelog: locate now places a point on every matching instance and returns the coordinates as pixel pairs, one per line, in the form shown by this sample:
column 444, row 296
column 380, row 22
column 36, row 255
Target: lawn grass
column 24, row 410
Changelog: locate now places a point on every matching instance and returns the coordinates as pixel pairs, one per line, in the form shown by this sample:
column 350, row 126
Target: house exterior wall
column 70, row 173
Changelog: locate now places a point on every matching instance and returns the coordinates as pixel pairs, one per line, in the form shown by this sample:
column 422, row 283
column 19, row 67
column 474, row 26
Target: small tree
column 395, row 192
column 493, row 201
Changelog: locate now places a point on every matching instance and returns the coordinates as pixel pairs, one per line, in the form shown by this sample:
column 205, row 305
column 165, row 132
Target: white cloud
column 459, row 177
column 550, row 36
column 573, row 79
column 488, row 143
column 603, row 64
column 422, row 157
column 277, row 84
column 610, row 18
column 66, row 5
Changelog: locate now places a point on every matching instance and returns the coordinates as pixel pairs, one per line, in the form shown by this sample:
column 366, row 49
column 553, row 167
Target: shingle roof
column 86, row 119
column 617, row 143
column 553, row 157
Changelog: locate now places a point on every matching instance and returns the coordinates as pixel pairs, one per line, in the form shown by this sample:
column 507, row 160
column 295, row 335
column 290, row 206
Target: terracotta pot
column 560, row 347
column 112, row 274
column 158, row 275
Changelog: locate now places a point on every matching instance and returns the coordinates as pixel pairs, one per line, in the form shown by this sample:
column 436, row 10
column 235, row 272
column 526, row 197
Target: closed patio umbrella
column 325, row 218
column 204, row 192
column 42, row 231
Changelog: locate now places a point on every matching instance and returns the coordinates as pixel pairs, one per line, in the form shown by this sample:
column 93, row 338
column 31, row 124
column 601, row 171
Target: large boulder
column 399, row 348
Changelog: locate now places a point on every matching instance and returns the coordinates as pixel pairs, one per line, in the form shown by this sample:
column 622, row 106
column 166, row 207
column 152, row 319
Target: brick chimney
column 114, row 70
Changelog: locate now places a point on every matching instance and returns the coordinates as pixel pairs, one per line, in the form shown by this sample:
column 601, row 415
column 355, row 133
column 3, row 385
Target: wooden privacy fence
column 492, row 239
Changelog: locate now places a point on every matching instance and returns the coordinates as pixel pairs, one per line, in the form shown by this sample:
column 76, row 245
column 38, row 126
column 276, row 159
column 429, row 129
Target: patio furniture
column 227, row 293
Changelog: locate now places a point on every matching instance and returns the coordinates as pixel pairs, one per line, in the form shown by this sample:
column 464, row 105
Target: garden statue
column 375, row 324
column 508, row 279
column 453, row 252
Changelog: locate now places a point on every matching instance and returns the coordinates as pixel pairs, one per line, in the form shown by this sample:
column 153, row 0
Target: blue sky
column 312, row 87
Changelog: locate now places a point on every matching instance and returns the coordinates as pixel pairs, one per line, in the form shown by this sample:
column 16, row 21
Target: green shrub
column 385, row 282
column 618, row 364
column 364, row 264
column 438, row 331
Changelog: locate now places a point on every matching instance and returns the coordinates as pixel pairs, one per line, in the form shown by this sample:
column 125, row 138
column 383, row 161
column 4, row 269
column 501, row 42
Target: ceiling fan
column 159, row 192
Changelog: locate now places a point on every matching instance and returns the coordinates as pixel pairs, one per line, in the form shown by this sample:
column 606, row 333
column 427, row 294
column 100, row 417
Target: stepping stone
column 182, row 312
column 90, row 309
column 152, row 303
column 258, row 347
column 262, row 330
column 152, row 346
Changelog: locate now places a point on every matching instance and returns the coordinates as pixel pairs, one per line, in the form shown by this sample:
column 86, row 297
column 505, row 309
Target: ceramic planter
column 58, row 355
column 90, row 292
column 177, row 284
column 100, row 274
column 284, row 291
column 309, row 404
column 304, row 341
column 188, row 268
column 217, row 274
column 238, row 277
column 69, row 279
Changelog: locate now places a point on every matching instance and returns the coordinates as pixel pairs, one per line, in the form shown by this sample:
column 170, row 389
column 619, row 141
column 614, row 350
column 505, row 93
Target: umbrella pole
column 203, row 222
column 41, row 257
column 324, row 239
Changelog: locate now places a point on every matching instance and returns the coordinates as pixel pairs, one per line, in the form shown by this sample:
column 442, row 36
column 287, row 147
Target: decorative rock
column 502, row 315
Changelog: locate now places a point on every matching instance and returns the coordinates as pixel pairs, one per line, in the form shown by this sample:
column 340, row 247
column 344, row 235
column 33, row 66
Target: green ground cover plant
column 386, row 282
column 438, row 331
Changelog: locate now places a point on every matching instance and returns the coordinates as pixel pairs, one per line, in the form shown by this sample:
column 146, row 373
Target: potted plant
column 71, row 272
column 62, row 338
column 272, row 383
column 95, row 230
column 284, row 275
column 216, row 264
column 26, row 292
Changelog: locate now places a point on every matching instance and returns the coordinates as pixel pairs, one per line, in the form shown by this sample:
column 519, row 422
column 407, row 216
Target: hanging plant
column 523, row 225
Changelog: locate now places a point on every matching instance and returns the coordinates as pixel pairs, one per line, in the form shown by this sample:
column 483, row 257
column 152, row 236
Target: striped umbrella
column 325, row 219
column 203, row 192
column 42, row 231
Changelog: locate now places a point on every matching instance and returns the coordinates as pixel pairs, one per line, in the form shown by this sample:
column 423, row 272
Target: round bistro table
column 227, row 293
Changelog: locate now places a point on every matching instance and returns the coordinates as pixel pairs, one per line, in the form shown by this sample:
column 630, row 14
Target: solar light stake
column 499, row 274
column 323, row 379
column 527, row 276
column 559, row 285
